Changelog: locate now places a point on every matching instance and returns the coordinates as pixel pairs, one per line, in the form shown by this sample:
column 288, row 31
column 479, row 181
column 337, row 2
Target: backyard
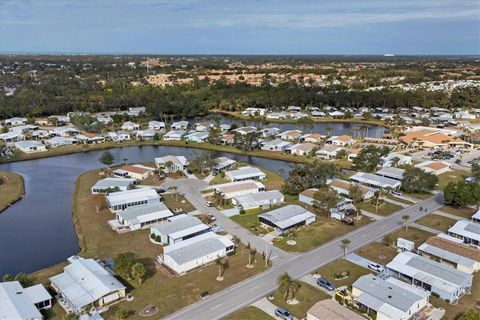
column 451, row 176
column 177, row 202
column 12, row 188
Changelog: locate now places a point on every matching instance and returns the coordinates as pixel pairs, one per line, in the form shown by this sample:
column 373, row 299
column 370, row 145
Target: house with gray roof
column 29, row 146
column 375, row 181
column 467, row 231
column 122, row 200
column 141, row 217
column 17, row 302
column 263, row 200
column 112, row 184
column 245, row 173
column 285, row 218
column 391, row 172
column 179, row 229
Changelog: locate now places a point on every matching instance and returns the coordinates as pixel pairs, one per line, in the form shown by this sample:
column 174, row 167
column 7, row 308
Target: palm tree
column 287, row 286
column 345, row 244
column 377, row 196
column 405, row 219
column 174, row 189
column 223, row 265
column 168, row 166
column 251, row 256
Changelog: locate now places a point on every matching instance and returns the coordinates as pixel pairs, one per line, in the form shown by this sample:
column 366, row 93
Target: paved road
column 250, row 290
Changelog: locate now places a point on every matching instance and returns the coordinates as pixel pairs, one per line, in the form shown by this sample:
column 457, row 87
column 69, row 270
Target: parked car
column 396, row 193
column 160, row 190
column 209, row 203
column 322, row 282
column 375, row 267
column 348, row 221
column 284, row 314
column 343, row 294
column 212, row 217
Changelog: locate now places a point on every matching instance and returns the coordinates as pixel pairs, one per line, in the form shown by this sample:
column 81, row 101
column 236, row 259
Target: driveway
column 359, row 260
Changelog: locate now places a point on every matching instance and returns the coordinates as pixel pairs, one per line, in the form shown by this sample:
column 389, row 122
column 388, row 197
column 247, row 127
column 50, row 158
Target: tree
column 376, row 197
column 471, row 314
column 107, row 158
column 314, row 175
column 389, row 240
column 461, row 194
column 24, row 279
column 416, row 180
column 325, row 199
column 139, row 272
column 369, row 158
column 122, row 314
column 222, row 263
column 124, row 263
column 203, row 162
column 345, row 244
column 168, row 166
column 476, row 171
column 288, row 287
column 355, row 193
column 405, row 219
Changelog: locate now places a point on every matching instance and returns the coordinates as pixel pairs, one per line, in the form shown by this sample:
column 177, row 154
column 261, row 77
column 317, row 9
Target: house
column 23, row 129
column 122, row 200
column 302, row 149
column 223, row 164
column 136, row 111
column 290, row 135
column 28, row 146
column 60, row 119
column 328, row 152
column 276, row 116
column 228, row 138
column 245, row 130
column 236, row 189
column 135, row 218
column 467, row 231
column 331, row 310
column 432, row 139
column 105, row 120
column 312, row 137
column 225, row 127
column 157, row 125
column 263, row 200
column 16, row 121
column 374, row 181
column 451, row 251
column 171, row 164
column 89, row 138
column 307, row 196
column 193, row 253
column 394, row 159
column 294, row 108
column 285, row 218
column 57, row 142
column 85, row 283
column 39, row 134
column 448, row 283
column 318, row 114
column 136, row 171
column 130, row 126
column 341, row 141
column 434, row 167
column 269, row 132
column 245, row 173
column 180, row 228
column 17, row 302
column 198, row 137
column 204, row 126
column 391, row 172
column 276, row 145
column 148, row 134
column 179, row 126
column 388, row 298
column 108, row 185
column 476, row 217
column 298, row 115
column 254, row 111
column 343, row 187
column 119, row 136
column 64, row 132
column 11, row 137
column 176, row 135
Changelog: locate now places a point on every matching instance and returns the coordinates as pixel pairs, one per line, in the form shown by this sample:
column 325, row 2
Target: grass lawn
column 218, row 179
column 416, row 235
column 419, row 196
column 250, row 222
column 11, row 190
column 160, row 288
column 384, row 209
column 378, row 252
column 321, row 231
column 465, row 303
column 461, row 212
column 451, row 176
column 339, row 266
column 307, row 297
column 273, row 181
column 249, row 313
column 174, row 202
column 401, row 200
column 437, row 222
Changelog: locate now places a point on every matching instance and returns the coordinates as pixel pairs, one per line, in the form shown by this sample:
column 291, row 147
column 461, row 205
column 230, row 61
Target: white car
column 209, row 203
column 375, row 267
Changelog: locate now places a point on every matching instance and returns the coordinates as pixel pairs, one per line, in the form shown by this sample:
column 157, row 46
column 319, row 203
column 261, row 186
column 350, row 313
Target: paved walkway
column 424, row 228
column 447, row 215
column 266, row 306
column 209, row 178
column 371, row 215
column 358, row 260
column 398, row 203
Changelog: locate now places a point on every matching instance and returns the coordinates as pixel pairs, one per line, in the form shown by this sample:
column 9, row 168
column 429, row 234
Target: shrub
column 158, row 238
column 242, row 212
column 152, row 236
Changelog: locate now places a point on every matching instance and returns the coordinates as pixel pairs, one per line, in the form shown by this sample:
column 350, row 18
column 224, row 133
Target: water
column 38, row 232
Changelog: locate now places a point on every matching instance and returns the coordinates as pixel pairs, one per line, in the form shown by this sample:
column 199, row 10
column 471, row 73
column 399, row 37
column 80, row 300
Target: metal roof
column 245, row 173
column 179, row 228
column 391, row 172
column 113, row 182
column 28, row 144
column 19, row 303
column 255, row 200
column 447, row 255
column 287, row 216
column 135, row 215
column 467, row 229
column 122, row 197
column 373, row 179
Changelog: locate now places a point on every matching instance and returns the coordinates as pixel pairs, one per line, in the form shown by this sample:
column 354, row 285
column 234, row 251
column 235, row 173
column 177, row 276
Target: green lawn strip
column 249, row 313
column 384, row 209
column 401, row 200
column 173, row 202
column 436, row 222
column 307, row 296
column 334, row 270
column 11, row 190
column 378, row 252
column 413, row 234
column 451, row 176
column 460, row 212
column 419, row 196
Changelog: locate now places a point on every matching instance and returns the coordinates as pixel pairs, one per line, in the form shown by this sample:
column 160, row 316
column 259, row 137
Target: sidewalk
column 447, row 215
column 398, row 203
column 371, row 215
column 424, row 228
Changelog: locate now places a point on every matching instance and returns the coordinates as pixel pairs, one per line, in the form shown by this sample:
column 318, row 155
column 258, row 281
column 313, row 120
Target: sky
column 415, row 27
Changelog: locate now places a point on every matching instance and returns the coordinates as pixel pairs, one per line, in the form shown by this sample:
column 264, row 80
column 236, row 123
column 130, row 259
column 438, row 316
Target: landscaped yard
column 249, row 313
column 378, row 252
column 12, row 188
column 307, row 297
column 416, row 235
column 219, row 179
column 419, row 196
column 384, row 209
column 437, row 222
column 250, row 222
column 175, row 202
column 273, row 180
column 401, row 200
column 453, row 175
column 333, row 271
column 461, row 212
column 160, row 288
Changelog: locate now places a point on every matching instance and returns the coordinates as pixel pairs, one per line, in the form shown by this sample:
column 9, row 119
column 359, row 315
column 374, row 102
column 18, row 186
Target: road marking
column 217, row 306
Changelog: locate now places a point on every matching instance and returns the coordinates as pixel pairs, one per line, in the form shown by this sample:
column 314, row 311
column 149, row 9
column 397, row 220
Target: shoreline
column 19, row 190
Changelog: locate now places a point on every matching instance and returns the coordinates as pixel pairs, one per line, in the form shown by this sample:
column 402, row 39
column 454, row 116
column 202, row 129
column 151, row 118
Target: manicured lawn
column 419, row 196
column 340, row 266
column 437, row 222
column 249, row 313
column 307, row 297
column 461, row 212
column 160, row 288
column 250, row 222
column 273, row 180
column 378, row 252
column 316, row 234
column 401, row 200
column 416, row 235
column 383, row 209
column 218, row 179
column 451, row 176
column 177, row 202
column 11, row 190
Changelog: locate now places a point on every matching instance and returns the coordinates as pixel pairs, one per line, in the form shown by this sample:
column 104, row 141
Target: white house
column 276, row 145
column 11, row 137
column 157, row 125
column 341, row 141
column 130, row 126
column 118, row 201
column 28, row 146
column 467, row 231
column 245, row 173
column 313, row 137
column 108, row 184
column 245, row 130
column 57, row 142
column 140, row 217
column 302, row 149
column 263, row 200
column 328, row 152
column 119, row 136
column 434, row 167
column 85, row 283
column 175, row 135
column 136, row 171
column 17, row 302
column 236, row 189
column 179, row 125
column 374, row 181
column 343, row 187
column 285, row 218
column 306, row 196
column 16, row 121
column 400, row 159
column 148, row 134
column 223, row 164
column 176, row 163
column 179, row 228
column 198, row 137
column 64, row 131
column 193, row 253
column 291, row 135
column 391, row 172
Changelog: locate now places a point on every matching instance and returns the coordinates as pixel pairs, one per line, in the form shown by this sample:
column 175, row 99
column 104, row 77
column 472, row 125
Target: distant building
column 245, row 173
column 172, row 163
column 17, row 302
column 28, row 146
column 276, row 145
column 16, row 121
